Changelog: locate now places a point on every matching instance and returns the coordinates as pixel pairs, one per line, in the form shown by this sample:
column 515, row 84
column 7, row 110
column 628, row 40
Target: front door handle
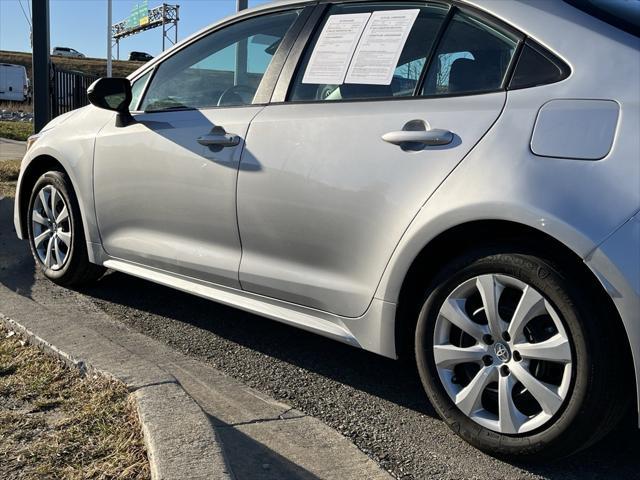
column 219, row 140
column 218, row 137
column 432, row 137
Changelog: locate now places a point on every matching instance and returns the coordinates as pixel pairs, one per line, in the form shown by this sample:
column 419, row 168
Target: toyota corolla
column 455, row 182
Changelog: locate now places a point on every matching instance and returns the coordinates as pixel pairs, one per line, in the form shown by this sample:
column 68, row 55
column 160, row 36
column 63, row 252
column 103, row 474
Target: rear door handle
column 219, row 140
column 432, row 137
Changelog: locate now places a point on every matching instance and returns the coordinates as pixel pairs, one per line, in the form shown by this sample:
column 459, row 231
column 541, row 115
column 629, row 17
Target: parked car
column 67, row 52
column 485, row 222
column 139, row 57
column 14, row 83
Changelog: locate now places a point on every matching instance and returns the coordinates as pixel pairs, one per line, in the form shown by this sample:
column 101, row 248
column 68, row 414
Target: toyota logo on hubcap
column 502, row 352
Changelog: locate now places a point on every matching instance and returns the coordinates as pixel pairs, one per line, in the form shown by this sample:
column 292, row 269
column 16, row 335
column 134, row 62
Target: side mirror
column 112, row 94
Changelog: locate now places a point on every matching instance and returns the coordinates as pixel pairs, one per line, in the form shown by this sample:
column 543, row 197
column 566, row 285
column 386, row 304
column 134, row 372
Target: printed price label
column 334, row 49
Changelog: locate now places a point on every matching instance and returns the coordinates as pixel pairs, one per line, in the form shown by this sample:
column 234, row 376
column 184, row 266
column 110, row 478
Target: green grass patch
column 56, row 424
column 16, row 130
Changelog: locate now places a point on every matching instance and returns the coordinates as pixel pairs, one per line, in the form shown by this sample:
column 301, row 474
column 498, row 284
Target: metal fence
column 69, row 90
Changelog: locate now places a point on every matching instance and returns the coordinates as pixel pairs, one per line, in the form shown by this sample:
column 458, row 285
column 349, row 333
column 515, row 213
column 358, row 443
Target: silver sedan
column 453, row 182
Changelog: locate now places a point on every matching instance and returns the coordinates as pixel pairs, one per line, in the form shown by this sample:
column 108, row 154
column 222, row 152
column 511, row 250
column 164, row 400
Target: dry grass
column 7, row 189
column 55, row 424
column 92, row 66
column 16, row 106
column 9, row 170
column 16, row 130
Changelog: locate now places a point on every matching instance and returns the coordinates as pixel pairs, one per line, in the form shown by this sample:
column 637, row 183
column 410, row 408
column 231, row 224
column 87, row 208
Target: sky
column 82, row 24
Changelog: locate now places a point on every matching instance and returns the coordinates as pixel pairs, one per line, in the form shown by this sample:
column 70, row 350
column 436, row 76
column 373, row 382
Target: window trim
column 288, row 73
column 271, row 75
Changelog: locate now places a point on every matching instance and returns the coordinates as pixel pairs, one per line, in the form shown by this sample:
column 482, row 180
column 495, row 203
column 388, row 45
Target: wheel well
column 451, row 243
column 36, row 168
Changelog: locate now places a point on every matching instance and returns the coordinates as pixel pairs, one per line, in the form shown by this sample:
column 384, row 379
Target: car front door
column 356, row 141
column 165, row 184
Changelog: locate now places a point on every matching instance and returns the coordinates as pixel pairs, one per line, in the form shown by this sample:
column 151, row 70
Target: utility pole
column 41, row 64
column 164, row 15
column 241, row 5
column 109, row 47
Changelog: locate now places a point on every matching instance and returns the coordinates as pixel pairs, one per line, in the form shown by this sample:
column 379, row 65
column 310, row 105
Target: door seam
column 238, row 170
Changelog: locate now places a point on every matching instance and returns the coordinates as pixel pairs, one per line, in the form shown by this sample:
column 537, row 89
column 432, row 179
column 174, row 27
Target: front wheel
column 515, row 357
column 55, row 232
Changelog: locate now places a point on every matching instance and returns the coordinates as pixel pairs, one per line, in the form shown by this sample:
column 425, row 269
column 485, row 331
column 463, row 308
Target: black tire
column 598, row 394
column 76, row 269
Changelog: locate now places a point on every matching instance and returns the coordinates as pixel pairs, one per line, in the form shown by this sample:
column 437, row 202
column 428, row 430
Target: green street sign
column 139, row 14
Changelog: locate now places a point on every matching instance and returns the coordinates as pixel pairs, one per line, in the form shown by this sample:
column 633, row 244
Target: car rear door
column 165, row 184
column 342, row 160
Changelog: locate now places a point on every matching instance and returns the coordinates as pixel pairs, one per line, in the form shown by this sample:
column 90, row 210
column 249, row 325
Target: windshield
column 624, row 14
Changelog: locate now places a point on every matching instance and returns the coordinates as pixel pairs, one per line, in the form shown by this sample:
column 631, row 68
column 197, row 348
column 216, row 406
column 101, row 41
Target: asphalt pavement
column 376, row 402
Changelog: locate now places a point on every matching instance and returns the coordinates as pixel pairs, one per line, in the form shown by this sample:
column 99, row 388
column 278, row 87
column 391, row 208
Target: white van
column 14, row 83
column 67, row 52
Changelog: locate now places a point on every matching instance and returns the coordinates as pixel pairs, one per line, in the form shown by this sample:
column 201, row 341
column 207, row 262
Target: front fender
column 71, row 145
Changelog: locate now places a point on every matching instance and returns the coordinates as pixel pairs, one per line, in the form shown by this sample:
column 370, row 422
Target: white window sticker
column 334, row 49
column 379, row 50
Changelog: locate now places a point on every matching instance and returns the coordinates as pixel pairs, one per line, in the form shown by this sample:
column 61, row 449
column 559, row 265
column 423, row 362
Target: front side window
column 222, row 69
column 136, row 90
column 472, row 57
column 368, row 51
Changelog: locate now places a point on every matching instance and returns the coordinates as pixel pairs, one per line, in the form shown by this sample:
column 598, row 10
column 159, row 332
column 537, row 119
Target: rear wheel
column 516, row 358
column 55, row 232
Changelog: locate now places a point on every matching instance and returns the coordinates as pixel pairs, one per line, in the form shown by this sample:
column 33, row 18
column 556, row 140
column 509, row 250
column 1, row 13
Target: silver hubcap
column 502, row 354
column 51, row 228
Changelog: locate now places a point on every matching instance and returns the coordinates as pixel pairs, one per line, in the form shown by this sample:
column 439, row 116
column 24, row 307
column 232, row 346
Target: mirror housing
column 112, row 94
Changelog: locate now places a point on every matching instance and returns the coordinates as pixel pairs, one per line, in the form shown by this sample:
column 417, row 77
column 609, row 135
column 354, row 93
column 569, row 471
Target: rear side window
column 537, row 66
column 473, row 57
column 350, row 54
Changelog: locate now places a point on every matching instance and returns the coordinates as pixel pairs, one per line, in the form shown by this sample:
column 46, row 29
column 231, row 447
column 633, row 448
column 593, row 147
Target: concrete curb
column 48, row 348
column 172, row 451
column 14, row 142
